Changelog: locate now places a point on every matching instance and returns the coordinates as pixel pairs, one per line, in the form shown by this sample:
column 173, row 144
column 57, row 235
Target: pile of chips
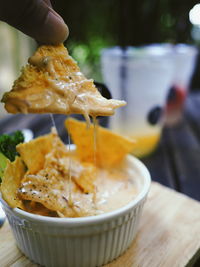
column 38, row 179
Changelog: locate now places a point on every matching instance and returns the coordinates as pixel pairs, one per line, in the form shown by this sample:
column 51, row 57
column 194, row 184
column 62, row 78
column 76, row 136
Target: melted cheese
column 52, row 83
column 114, row 189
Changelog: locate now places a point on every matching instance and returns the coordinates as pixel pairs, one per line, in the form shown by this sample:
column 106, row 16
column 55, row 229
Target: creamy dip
column 72, row 188
column 115, row 189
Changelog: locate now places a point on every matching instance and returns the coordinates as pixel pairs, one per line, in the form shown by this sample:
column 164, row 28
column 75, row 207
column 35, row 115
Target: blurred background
column 98, row 24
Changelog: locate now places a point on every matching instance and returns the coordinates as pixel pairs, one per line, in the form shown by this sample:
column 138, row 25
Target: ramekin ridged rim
column 73, row 222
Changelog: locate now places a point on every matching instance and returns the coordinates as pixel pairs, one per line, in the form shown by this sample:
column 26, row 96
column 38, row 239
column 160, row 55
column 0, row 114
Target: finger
column 48, row 2
column 36, row 19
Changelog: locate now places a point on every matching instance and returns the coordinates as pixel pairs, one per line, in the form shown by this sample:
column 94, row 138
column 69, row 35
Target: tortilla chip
column 86, row 179
column 52, row 83
column 50, row 192
column 13, row 175
column 38, row 208
column 33, row 153
column 47, row 191
column 111, row 148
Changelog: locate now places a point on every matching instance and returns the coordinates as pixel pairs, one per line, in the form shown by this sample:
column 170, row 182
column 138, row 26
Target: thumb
column 35, row 18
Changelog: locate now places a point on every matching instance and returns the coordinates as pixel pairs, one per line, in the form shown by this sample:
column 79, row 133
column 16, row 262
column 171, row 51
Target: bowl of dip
column 84, row 241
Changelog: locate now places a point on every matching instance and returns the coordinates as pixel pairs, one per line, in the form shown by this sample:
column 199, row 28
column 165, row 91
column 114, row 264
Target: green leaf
column 8, row 144
column 3, row 162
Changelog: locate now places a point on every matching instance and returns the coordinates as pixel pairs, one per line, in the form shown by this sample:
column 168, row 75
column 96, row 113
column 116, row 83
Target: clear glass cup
column 185, row 61
column 141, row 76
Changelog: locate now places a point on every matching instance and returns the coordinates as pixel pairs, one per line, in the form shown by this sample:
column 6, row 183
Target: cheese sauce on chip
column 51, row 82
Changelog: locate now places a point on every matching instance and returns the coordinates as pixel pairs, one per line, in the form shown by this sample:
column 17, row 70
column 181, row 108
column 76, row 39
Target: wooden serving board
column 169, row 234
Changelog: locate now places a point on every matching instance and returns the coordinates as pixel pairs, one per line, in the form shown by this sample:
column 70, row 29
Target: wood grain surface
column 169, row 234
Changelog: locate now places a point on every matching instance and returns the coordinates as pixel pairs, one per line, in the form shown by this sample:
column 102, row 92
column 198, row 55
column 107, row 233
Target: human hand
column 35, row 18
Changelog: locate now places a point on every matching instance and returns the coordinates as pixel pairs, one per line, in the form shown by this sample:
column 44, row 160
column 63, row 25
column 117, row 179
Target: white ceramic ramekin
column 80, row 242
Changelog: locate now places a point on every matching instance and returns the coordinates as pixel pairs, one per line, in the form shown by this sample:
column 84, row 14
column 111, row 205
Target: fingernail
column 54, row 12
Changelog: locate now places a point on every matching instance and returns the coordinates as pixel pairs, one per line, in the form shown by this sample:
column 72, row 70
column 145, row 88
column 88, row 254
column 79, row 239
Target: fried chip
column 50, row 186
column 44, row 190
column 86, row 178
column 33, row 153
column 110, row 147
column 38, row 208
column 52, row 83
column 12, row 177
column 45, row 185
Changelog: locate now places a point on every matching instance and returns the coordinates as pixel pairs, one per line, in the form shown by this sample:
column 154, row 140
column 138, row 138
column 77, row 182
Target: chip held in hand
column 52, row 82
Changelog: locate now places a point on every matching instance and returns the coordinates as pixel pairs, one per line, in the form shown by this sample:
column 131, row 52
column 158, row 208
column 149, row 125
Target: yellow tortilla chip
column 33, row 153
column 86, row 179
column 12, row 177
column 52, row 83
column 110, row 147
column 48, row 192
column 38, row 208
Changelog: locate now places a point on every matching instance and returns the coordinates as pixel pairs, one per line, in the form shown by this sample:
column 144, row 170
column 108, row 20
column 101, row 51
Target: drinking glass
column 141, row 76
column 185, row 61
